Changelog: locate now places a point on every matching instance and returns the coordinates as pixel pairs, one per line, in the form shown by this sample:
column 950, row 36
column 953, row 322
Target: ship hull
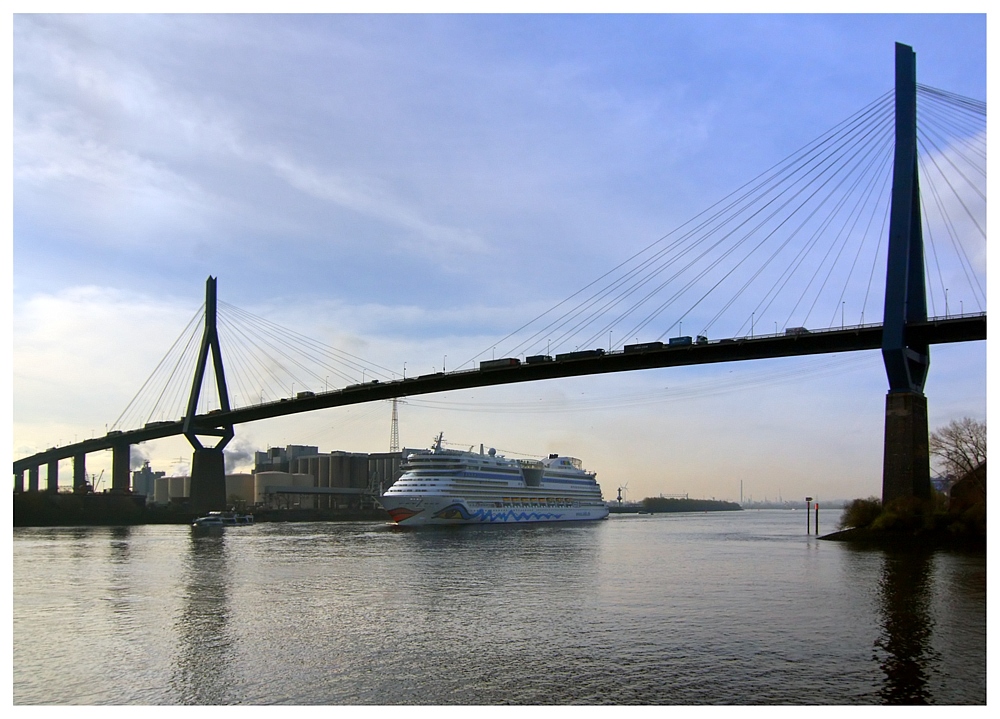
column 415, row 511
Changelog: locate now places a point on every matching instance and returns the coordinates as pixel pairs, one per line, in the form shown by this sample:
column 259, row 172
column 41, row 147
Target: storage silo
column 263, row 480
column 175, row 488
column 339, row 470
column 359, row 470
column 240, row 487
column 323, row 480
column 161, row 490
column 305, row 501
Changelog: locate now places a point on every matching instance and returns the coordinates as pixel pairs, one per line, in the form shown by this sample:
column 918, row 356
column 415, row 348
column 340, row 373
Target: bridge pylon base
column 208, row 480
column 906, row 459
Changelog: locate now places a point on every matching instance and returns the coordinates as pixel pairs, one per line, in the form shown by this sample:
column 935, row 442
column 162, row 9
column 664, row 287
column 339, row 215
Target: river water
column 726, row 608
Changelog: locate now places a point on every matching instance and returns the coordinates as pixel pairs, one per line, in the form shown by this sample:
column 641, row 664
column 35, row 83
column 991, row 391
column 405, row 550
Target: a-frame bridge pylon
column 208, row 467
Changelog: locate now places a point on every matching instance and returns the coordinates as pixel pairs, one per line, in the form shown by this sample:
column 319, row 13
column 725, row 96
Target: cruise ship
column 446, row 486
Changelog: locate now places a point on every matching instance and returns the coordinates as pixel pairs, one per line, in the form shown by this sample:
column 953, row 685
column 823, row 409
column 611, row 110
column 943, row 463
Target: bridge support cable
column 872, row 216
column 882, row 234
column 808, row 190
column 795, row 237
column 968, row 271
column 312, row 348
column 809, row 187
column 699, row 226
column 272, row 349
column 725, row 226
column 951, row 137
column 257, row 367
column 839, row 242
column 152, row 398
column 300, row 360
column 263, row 365
column 803, row 253
column 949, row 223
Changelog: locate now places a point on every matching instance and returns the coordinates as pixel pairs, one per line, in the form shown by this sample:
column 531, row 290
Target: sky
column 412, row 188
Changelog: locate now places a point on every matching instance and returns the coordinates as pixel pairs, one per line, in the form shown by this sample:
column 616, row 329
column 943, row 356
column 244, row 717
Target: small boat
column 223, row 519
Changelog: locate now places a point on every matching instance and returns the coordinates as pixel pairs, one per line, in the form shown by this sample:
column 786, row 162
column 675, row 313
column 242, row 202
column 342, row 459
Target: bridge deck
column 850, row 339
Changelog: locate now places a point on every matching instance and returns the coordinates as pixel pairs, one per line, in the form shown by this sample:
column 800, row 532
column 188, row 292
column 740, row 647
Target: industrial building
column 291, row 477
column 335, row 479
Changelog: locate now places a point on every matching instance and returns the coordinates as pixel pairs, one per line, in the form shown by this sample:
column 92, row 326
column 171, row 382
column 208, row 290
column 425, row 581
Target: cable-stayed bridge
column 883, row 214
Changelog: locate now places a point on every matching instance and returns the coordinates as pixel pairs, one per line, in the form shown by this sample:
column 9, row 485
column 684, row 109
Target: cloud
column 137, row 456
column 239, row 455
column 430, row 238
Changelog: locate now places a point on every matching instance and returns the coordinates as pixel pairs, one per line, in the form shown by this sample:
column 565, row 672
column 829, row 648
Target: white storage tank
column 161, row 490
column 176, row 487
column 241, row 487
column 263, row 480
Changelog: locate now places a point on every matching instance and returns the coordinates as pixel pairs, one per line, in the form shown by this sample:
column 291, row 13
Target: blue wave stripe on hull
column 457, row 511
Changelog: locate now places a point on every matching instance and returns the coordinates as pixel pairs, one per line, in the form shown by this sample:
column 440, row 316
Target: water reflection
column 201, row 668
column 120, row 590
column 903, row 648
column 120, row 550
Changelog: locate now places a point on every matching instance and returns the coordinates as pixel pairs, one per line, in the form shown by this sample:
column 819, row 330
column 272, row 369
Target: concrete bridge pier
column 906, row 459
column 19, row 482
column 33, row 479
column 208, row 480
column 79, row 472
column 52, row 477
column 121, row 458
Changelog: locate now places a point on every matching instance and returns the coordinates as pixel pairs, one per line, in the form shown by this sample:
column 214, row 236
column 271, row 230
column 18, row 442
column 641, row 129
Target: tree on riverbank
column 960, row 446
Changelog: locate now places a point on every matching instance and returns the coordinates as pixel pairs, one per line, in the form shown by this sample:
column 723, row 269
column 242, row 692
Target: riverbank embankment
column 44, row 509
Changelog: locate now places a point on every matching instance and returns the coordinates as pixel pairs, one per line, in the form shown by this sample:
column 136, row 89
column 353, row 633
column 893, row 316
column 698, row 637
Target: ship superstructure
column 446, row 486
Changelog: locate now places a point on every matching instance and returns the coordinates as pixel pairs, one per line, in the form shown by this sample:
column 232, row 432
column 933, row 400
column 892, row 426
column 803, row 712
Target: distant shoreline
column 660, row 505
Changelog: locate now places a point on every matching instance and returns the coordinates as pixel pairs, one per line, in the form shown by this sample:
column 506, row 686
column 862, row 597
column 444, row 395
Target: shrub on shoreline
column 860, row 513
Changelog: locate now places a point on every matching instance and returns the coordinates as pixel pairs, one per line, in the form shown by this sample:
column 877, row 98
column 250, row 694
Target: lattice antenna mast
column 394, row 434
